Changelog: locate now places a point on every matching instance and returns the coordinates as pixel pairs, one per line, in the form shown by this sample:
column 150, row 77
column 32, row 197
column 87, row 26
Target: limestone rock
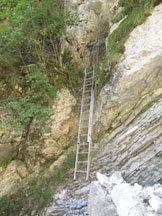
column 84, row 190
column 158, row 192
column 126, row 201
column 128, row 115
column 95, row 6
column 61, row 159
column 12, row 176
column 99, row 203
column 132, row 200
column 39, row 147
column 9, row 144
column 138, row 189
column 156, row 204
column 93, row 16
column 61, row 195
column 103, row 180
column 42, row 147
column 116, row 178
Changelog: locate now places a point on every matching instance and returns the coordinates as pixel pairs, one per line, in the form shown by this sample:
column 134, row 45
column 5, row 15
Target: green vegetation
column 6, row 163
column 32, row 68
column 38, row 192
column 136, row 12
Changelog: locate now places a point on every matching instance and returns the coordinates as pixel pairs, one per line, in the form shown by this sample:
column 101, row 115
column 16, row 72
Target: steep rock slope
column 128, row 117
column 30, row 151
column 90, row 23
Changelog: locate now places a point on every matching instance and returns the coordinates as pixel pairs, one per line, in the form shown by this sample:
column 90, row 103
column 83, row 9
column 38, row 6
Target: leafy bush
column 6, row 163
column 33, row 104
column 6, row 7
column 31, row 71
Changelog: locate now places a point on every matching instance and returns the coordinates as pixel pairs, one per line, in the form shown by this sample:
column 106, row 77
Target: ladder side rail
column 91, row 117
column 90, row 130
column 93, row 98
column 76, row 161
column 89, row 160
column 90, row 133
column 82, row 103
column 89, row 138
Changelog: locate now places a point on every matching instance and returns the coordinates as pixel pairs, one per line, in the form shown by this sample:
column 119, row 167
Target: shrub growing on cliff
column 33, row 104
column 30, row 66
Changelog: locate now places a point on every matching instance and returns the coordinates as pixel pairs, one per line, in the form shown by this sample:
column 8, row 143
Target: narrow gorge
column 37, row 163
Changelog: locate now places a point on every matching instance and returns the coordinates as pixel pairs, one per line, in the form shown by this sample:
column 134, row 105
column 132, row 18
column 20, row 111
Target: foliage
column 136, row 11
column 38, row 91
column 6, row 163
column 6, row 7
column 72, row 18
column 37, row 194
column 31, row 71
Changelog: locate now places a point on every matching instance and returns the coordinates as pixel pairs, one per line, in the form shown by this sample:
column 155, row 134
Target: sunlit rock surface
column 118, row 198
column 12, row 175
column 128, row 117
column 41, row 147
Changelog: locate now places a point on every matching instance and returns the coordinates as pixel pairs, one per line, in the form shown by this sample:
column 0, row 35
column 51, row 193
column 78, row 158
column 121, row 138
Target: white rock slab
column 103, row 180
column 156, row 204
column 138, row 189
column 126, row 201
column 99, row 204
column 158, row 192
column 84, row 190
column 116, row 178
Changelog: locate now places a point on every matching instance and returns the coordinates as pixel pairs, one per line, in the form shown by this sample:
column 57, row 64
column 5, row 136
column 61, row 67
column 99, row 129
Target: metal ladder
column 83, row 152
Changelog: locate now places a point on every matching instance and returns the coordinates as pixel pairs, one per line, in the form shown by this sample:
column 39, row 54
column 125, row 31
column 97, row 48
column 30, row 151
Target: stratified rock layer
column 128, row 116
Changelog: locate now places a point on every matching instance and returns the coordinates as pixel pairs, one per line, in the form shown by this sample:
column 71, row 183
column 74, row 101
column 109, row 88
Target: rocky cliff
column 128, row 110
column 128, row 117
column 127, row 134
column 22, row 155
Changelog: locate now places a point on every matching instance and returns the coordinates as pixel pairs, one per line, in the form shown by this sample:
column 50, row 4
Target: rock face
column 13, row 175
column 9, row 144
column 124, row 199
column 29, row 153
column 70, row 200
column 42, row 147
column 99, row 203
column 89, row 22
column 128, row 117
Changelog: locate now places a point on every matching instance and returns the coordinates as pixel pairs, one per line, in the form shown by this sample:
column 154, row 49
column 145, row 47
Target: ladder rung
column 82, row 161
column 89, row 78
column 83, row 144
column 86, row 105
column 85, row 119
column 89, row 73
column 88, row 84
column 81, row 171
column 83, row 152
column 83, row 135
column 87, row 98
column 85, row 112
column 84, row 127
